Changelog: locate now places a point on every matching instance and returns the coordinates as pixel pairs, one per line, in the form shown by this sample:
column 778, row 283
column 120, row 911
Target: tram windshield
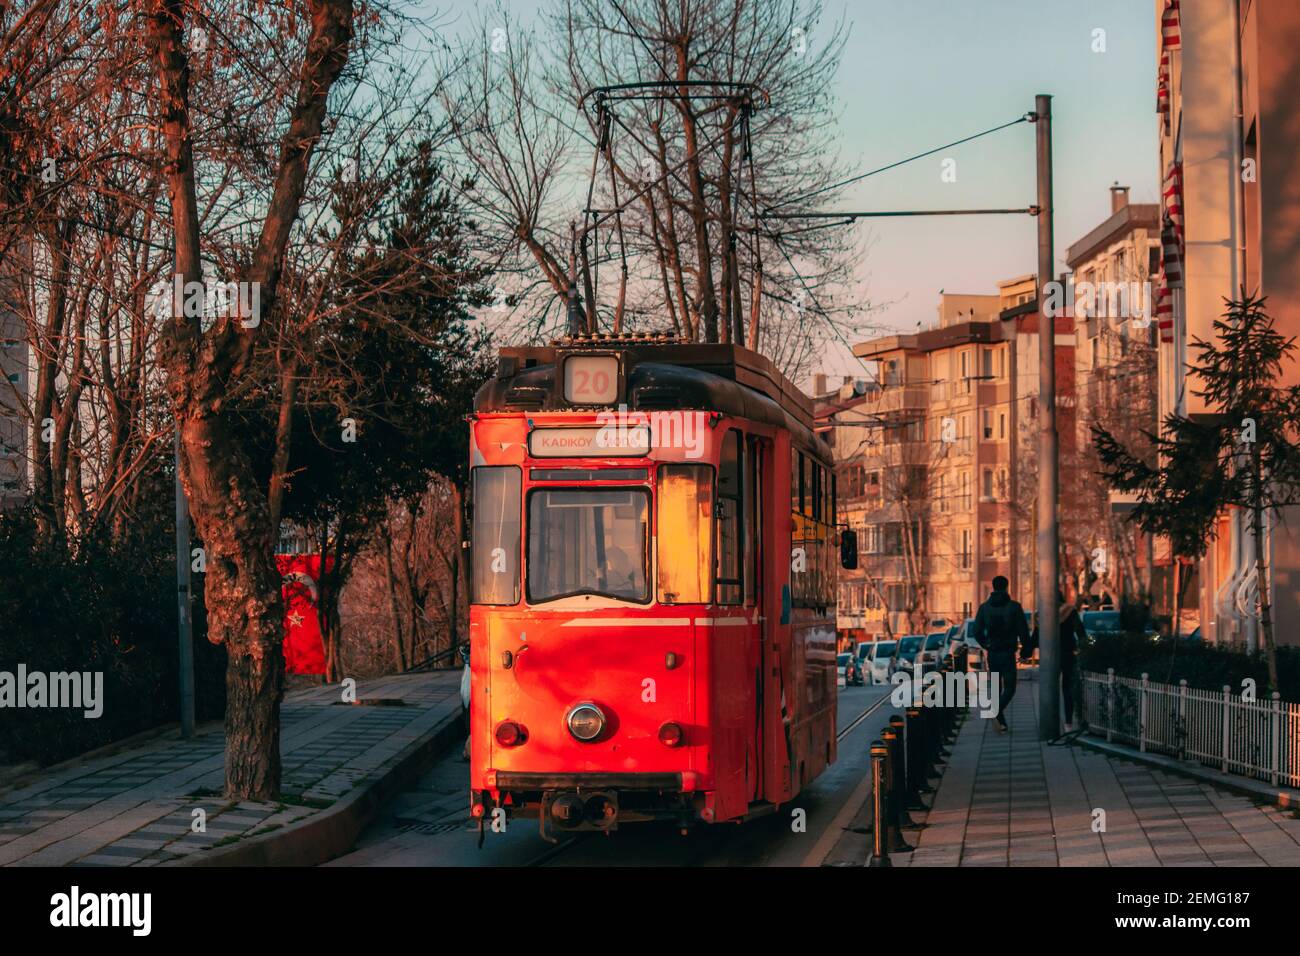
column 588, row 541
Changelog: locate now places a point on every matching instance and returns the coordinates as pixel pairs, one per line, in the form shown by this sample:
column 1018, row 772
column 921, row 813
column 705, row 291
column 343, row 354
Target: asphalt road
column 429, row 825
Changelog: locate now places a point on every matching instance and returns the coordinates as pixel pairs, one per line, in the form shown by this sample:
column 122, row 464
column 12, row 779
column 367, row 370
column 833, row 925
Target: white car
column 877, row 662
column 841, row 663
column 931, row 657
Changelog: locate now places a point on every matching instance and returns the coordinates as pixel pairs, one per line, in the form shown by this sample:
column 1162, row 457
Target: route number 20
column 591, row 379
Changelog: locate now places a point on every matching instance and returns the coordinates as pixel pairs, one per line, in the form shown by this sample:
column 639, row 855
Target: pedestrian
column 1000, row 629
column 1071, row 632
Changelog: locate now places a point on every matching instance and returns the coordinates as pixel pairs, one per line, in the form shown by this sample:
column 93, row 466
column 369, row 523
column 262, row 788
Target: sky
column 917, row 74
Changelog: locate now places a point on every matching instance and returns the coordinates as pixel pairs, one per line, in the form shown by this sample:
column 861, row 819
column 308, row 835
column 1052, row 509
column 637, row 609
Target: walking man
column 1000, row 628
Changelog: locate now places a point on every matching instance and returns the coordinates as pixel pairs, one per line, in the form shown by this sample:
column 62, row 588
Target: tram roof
column 656, row 375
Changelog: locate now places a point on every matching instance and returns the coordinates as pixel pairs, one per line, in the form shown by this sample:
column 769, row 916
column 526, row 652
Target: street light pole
column 1049, row 663
column 184, row 621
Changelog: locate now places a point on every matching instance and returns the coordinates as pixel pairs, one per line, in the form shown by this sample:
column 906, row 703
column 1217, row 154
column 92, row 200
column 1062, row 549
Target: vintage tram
column 652, row 626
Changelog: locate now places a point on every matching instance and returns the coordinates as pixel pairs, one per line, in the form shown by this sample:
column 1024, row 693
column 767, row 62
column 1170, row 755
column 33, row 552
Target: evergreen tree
column 1243, row 454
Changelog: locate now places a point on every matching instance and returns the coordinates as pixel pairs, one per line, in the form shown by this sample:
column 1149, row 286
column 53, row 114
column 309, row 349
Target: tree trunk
column 708, row 297
column 394, row 609
column 1261, row 572
column 283, row 434
column 460, row 567
column 242, row 596
column 242, row 592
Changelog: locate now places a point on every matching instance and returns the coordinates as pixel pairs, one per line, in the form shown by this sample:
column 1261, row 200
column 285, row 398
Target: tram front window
column 588, row 541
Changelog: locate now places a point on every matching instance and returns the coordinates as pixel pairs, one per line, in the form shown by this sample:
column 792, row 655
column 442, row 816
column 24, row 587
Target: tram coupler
column 571, row 811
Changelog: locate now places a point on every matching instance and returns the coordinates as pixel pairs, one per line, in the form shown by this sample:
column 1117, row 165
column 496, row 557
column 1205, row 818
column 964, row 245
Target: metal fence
column 1254, row 738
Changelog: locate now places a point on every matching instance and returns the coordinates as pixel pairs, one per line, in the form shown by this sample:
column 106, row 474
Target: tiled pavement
column 1011, row 800
column 136, row 808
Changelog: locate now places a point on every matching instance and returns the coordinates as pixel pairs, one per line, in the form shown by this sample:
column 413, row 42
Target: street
column 430, row 826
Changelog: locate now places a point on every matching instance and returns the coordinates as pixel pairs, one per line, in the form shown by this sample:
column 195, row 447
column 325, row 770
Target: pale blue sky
column 920, row 73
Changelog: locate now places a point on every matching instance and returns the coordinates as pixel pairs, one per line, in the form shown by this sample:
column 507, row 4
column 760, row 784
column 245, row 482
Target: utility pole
column 1049, row 660
column 184, row 622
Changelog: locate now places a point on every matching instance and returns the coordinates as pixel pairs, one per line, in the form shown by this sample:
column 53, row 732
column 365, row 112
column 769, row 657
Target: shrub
column 1202, row 665
column 99, row 606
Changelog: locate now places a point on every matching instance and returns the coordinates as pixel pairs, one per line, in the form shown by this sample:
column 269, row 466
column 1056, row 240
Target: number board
column 591, row 379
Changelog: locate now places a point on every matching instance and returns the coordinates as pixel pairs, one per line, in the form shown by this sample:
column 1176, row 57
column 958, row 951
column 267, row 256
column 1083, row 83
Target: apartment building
column 843, row 418
column 936, row 467
column 1114, row 270
column 1226, row 91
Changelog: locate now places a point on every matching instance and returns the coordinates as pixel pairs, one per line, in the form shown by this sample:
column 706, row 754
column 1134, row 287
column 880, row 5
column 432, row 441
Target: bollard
column 879, row 841
column 898, row 772
column 895, row 815
column 915, row 741
column 906, row 761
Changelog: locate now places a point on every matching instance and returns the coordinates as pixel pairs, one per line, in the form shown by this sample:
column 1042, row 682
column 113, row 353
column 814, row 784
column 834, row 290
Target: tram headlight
column 510, row 734
column 586, row 722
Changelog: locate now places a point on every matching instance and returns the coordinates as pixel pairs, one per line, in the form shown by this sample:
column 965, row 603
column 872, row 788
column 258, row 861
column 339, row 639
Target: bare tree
column 230, row 510
column 732, row 116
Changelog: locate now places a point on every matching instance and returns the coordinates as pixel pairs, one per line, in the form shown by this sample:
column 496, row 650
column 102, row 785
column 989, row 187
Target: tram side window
column 796, row 488
column 812, row 533
column 685, row 504
column 753, row 495
column 730, row 576
column 494, row 534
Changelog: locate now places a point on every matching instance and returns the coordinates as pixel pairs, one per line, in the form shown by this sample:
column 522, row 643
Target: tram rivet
column 670, row 660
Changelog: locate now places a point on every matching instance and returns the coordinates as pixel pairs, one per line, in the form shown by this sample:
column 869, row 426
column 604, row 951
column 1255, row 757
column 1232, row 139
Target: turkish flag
column 304, row 651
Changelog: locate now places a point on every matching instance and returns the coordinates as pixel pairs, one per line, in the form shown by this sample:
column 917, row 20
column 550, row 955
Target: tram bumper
column 591, row 801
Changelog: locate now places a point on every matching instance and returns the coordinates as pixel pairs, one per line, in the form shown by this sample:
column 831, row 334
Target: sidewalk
column 1011, row 800
column 135, row 808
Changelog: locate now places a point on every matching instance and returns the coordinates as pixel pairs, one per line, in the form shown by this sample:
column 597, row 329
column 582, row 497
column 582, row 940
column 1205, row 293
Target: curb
column 334, row 830
column 1283, row 797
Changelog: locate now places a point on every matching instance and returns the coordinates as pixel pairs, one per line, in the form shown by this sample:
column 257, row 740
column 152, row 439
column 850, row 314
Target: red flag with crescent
column 304, row 651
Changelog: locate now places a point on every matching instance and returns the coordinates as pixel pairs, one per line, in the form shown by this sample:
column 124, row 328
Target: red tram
column 652, row 629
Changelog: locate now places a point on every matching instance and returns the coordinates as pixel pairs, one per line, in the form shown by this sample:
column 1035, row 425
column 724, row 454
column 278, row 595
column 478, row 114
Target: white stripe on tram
column 629, row 621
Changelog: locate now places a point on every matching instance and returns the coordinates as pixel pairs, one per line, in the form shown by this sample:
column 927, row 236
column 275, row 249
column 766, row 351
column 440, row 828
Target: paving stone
column 1012, row 800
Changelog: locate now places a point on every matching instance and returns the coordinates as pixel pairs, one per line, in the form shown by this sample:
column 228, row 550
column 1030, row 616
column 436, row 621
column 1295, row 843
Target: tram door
column 757, row 454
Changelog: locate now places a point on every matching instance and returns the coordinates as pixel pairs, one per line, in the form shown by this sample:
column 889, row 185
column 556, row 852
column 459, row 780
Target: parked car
column 976, row 659
column 878, row 661
column 841, row 669
column 907, row 654
column 932, row 653
column 1097, row 623
column 953, row 642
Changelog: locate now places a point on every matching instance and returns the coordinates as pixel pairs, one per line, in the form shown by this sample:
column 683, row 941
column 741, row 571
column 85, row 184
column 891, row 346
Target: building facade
column 1226, row 91
column 1114, row 269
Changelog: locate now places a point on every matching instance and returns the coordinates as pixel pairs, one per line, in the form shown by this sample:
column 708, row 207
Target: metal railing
column 1219, row 729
